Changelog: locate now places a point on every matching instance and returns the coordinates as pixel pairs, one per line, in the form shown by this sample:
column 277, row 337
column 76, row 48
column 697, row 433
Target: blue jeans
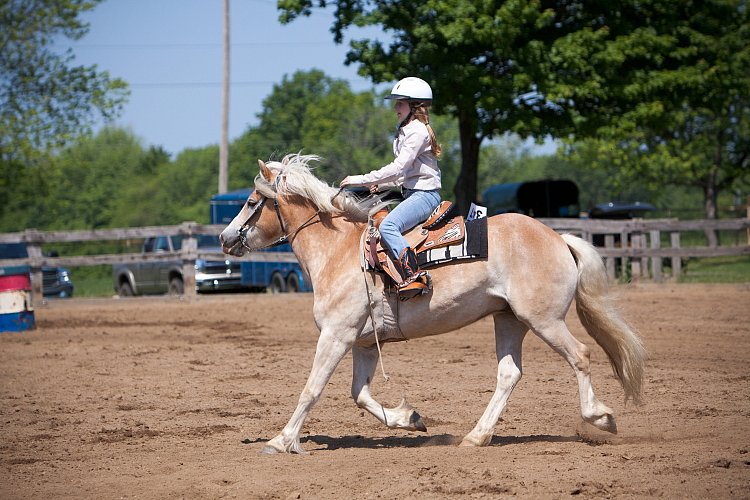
column 416, row 207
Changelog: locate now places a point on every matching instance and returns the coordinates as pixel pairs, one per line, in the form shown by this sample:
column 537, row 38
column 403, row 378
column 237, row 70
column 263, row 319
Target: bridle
column 286, row 236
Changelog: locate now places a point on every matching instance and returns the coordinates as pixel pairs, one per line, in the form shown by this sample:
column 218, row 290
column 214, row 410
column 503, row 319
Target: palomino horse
column 527, row 282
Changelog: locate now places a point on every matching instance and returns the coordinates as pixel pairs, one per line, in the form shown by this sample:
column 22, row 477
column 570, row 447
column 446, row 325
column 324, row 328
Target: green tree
column 316, row 114
column 186, row 185
column 284, row 113
column 91, row 177
column 352, row 132
column 474, row 54
column 667, row 101
column 44, row 99
column 538, row 67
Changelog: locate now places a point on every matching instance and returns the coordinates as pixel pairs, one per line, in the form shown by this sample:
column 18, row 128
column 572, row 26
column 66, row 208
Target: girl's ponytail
column 422, row 114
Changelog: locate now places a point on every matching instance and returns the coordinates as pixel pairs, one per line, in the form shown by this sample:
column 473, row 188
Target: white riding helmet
column 412, row 89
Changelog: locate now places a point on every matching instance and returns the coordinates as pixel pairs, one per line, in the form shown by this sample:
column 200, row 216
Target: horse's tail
column 602, row 320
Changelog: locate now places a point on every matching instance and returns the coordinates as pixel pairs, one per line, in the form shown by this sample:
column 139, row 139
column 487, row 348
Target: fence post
column 656, row 273
column 636, row 241
column 625, row 261
column 189, row 255
column 34, row 249
column 674, row 241
column 609, row 262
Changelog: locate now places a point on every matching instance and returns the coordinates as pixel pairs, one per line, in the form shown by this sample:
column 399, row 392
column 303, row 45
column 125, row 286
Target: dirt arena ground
column 170, row 398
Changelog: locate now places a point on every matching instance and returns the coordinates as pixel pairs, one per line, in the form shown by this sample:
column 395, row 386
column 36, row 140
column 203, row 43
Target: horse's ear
column 265, row 171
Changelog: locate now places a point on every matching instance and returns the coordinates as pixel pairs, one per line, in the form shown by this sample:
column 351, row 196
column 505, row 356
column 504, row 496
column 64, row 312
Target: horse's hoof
column 605, row 423
column 269, row 450
column 470, row 441
column 416, row 421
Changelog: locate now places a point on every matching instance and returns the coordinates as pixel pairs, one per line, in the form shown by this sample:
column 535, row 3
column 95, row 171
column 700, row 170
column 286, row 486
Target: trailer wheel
column 277, row 284
column 292, row 283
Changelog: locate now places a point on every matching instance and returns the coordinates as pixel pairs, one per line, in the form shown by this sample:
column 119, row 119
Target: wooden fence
column 641, row 257
column 643, row 239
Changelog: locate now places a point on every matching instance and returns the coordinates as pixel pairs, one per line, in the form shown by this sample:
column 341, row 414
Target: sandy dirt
column 170, row 398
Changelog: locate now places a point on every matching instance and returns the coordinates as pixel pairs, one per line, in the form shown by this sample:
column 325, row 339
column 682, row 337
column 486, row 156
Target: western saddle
column 437, row 231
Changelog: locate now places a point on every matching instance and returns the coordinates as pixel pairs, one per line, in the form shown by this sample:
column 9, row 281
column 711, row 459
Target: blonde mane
column 294, row 176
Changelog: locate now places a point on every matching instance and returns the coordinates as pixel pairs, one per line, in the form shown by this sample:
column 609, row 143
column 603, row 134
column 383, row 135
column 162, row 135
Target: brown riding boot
column 415, row 282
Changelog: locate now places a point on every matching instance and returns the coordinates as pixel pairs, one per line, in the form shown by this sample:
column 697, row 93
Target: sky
column 171, row 54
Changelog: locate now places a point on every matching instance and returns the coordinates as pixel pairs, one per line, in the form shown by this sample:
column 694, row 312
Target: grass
column 732, row 269
column 92, row 281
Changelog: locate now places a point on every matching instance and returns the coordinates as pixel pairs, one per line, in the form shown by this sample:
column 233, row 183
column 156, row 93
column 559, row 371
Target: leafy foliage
column 45, row 100
column 636, row 73
column 112, row 180
column 321, row 115
column 676, row 109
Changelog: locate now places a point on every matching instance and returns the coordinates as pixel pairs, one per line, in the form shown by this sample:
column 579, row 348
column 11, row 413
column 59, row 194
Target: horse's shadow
column 417, row 441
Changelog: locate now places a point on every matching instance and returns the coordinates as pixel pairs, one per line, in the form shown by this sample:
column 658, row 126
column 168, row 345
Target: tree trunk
column 466, row 184
column 710, row 206
column 710, row 194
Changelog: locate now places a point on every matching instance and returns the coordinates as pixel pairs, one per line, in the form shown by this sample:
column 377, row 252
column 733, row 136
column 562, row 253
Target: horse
column 527, row 282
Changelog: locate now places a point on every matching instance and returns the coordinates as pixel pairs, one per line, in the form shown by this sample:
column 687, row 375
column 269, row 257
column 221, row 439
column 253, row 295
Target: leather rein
column 287, row 236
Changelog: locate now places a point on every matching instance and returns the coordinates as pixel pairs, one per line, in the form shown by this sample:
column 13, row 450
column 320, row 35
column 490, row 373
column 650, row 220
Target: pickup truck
column 147, row 278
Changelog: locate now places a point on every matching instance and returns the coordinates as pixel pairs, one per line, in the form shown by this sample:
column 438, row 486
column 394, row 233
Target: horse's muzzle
column 231, row 246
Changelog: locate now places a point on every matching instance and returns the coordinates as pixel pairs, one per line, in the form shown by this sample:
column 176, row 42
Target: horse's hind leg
column 365, row 360
column 509, row 335
column 577, row 354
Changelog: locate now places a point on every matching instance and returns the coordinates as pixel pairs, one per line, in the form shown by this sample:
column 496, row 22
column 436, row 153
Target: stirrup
column 415, row 281
column 414, row 286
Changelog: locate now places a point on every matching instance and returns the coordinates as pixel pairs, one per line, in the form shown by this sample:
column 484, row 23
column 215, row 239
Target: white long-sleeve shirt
column 415, row 166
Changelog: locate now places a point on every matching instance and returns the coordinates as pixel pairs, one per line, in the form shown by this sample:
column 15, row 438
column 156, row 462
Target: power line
column 156, row 85
column 191, row 45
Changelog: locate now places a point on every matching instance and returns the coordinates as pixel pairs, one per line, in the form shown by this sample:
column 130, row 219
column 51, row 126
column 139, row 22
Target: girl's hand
column 374, row 188
column 345, row 182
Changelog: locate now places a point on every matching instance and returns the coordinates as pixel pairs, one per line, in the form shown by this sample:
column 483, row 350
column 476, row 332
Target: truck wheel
column 176, row 286
column 277, row 284
column 292, row 283
column 125, row 290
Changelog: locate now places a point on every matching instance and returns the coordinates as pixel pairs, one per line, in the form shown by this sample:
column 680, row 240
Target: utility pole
column 224, row 145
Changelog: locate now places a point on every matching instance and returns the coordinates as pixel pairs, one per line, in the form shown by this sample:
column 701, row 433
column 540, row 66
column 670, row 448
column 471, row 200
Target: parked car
column 159, row 277
column 620, row 210
column 56, row 281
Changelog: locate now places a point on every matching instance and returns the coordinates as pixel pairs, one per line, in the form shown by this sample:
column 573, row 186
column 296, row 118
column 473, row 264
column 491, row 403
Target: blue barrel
column 16, row 311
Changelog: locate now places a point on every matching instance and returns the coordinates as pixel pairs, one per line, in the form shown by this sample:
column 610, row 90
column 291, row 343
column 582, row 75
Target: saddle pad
column 473, row 246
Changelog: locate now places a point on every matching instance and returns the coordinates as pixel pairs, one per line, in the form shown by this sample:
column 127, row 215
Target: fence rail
column 642, row 238
column 641, row 255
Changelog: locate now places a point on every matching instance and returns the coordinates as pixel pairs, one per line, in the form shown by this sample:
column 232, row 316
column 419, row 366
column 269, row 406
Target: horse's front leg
column 365, row 360
column 329, row 352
